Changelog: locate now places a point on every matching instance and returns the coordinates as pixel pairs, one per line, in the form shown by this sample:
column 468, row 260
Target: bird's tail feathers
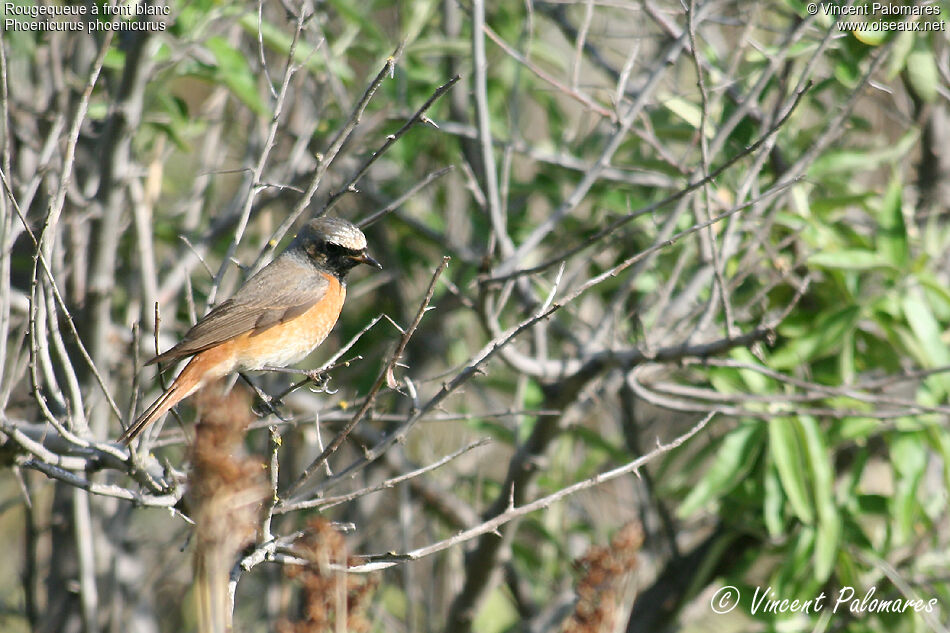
column 164, row 402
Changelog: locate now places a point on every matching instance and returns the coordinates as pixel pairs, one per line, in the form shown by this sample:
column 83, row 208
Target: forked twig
column 384, row 561
column 371, row 397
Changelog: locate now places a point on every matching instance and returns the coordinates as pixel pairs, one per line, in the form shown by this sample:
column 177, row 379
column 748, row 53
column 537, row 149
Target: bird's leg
column 270, row 403
column 319, row 377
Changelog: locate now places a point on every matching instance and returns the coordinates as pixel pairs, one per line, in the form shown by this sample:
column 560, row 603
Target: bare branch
column 384, row 561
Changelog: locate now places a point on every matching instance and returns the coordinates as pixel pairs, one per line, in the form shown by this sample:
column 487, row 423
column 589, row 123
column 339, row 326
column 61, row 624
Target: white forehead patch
column 340, row 232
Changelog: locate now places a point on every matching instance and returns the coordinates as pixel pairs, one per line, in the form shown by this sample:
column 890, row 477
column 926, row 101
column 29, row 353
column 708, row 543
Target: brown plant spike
column 225, row 495
column 604, row 569
column 332, row 600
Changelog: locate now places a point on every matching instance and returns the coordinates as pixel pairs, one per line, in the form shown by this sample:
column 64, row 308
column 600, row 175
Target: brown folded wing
column 281, row 291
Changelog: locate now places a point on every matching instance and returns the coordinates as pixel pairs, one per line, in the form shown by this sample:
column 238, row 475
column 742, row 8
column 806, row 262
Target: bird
column 277, row 318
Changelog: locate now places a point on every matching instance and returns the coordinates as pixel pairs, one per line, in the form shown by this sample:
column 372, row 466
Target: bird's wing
column 279, row 292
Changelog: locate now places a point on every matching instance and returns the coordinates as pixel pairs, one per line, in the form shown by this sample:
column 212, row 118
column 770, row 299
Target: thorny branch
column 382, row 561
column 384, row 376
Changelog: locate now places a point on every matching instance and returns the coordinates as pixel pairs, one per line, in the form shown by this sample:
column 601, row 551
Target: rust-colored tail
column 184, row 385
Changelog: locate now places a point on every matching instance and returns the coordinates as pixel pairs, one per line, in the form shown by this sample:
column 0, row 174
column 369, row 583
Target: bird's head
column 334, row 244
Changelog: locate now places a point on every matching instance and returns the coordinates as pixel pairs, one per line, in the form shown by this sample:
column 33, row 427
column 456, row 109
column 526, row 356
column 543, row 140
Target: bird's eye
column 313, row 249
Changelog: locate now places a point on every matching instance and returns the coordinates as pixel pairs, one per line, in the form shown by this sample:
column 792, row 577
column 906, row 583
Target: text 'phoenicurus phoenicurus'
column 275, row 319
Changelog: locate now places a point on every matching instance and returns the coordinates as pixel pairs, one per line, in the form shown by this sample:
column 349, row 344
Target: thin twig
column 328, row 502
column 289, row 69
column 371, row 397
column 613, row 226
column 418, row 117
column 398, row 202
column 385, row 561
column 327, row 159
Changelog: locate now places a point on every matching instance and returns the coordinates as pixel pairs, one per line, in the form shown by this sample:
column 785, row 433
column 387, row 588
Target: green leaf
column 796, row 564
column 871, row 37
column 688, row 111
column 938, row 296
column 850, row 259
column 922, row 74
column 233, row 70
column 873, row 504
column 909, row 457
column 903, row 44
column 858, row 428
column 851, row 160
column 926, row 329
column 892, row 236
column 756, row 380
column 822, row 476
column 823, row 337
column 734, row 459
column 826, row 546
column 785, row 447
column 773, row 502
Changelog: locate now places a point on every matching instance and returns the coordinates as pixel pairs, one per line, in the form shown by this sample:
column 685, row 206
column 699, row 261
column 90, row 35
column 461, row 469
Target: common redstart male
column 275, row 319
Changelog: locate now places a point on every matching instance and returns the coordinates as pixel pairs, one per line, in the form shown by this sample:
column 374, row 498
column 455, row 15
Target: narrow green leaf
column 796, row 565
column 858, row 428
column 234, row 71
column 756, row 381
column 686, row 110
column 897, row 60
column 773, row 502
column 849, row 259
column 822, row 478
column 787, row 452
column 870, row 36
column 828, row 534
column 926, row 329
column 734, row 459
column 849, row 160
column 822, row 338
column 892, row 236
column 909, row 457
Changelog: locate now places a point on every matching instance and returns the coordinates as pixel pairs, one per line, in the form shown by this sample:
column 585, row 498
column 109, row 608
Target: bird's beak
column 364, row 258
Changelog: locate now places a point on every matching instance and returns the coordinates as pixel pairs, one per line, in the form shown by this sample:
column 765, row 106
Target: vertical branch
column 327, row 159
column 85, row 540
column 722, row 290
column 6, row 216
column 483, row 118
column 256, row 178
column 115, row 160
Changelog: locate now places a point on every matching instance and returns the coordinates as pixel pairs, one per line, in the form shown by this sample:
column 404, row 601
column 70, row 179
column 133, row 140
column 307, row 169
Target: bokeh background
column 659, row 214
